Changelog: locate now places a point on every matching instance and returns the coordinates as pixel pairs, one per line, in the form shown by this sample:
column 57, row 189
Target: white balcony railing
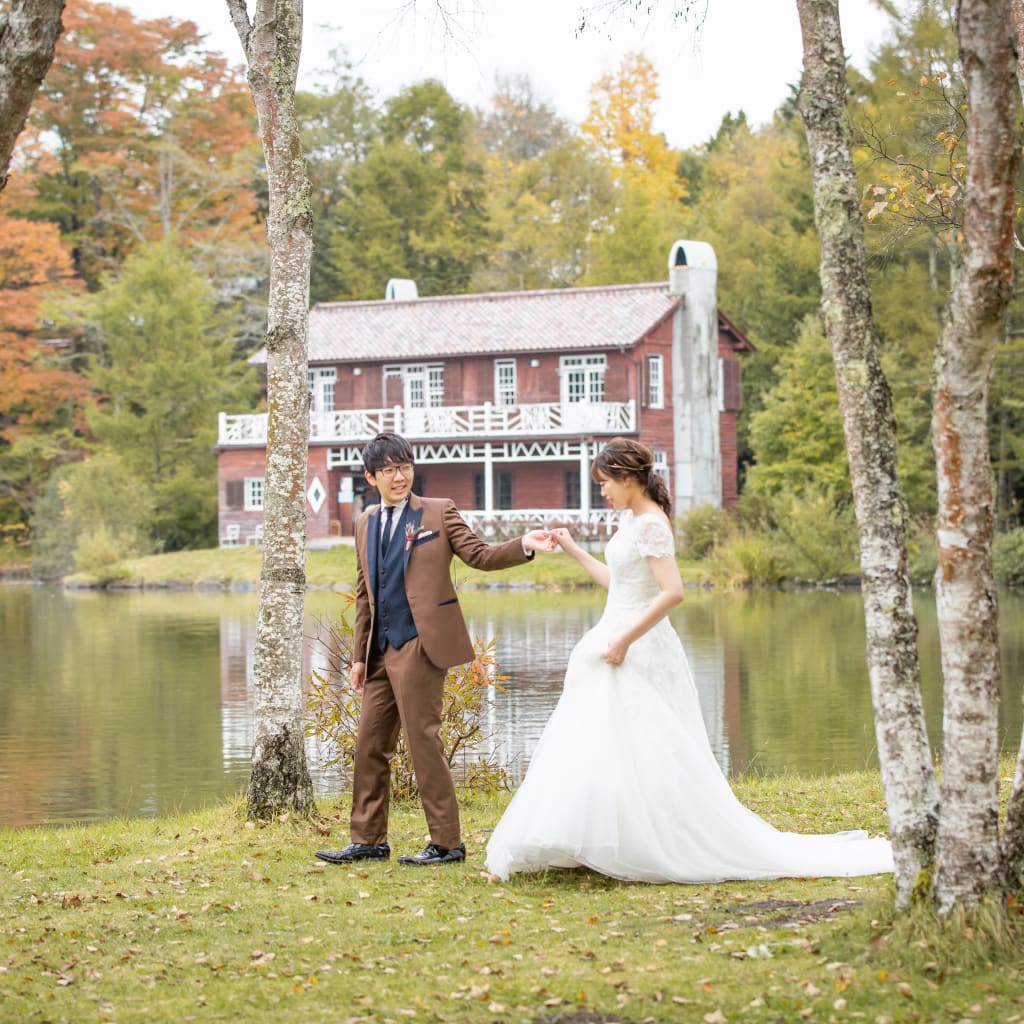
column 596, row 524
column 447, row 421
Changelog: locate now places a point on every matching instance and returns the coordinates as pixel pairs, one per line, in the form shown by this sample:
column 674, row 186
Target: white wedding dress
column 624, row 780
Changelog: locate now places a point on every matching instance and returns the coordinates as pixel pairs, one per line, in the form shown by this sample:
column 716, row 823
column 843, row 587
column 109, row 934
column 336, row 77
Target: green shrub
column 334, row 711
column 1008, row 558
column 703, row 528
column 90, row 514
column 817, row 537
column 922, row 552
column 746, row 561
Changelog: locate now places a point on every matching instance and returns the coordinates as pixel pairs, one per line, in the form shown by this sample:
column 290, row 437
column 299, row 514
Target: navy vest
column 393, row 620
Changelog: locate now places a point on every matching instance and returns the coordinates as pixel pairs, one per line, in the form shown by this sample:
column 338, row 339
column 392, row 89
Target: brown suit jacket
column 438, row 534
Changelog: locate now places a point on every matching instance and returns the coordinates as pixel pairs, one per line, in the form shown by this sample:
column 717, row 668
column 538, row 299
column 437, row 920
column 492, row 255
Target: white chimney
column 697, row 472
column 400, row 288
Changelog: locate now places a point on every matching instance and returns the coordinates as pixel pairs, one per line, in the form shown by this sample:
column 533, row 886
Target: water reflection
column 141, row 704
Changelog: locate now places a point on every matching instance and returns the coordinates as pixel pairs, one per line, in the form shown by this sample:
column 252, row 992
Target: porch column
column 488, row 478
column 584, row 481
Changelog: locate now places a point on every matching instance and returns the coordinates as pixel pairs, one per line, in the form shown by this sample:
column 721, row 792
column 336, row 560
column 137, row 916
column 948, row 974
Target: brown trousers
column 404, row 689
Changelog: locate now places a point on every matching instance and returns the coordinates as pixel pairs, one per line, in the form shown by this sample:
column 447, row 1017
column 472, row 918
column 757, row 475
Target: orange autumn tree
column 41, row 399
column 154, row 135
column 649, row 213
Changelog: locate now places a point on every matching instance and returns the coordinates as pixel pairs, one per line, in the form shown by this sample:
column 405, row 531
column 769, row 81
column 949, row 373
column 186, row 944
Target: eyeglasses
column 392, row 469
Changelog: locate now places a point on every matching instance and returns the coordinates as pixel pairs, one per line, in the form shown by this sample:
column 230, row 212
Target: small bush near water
column 334, row 714
column 1008, row 558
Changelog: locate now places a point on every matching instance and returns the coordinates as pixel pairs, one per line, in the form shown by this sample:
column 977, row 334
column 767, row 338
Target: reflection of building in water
column 532, row 646
column 238, row 696
column 533, row 650
column 237, row 645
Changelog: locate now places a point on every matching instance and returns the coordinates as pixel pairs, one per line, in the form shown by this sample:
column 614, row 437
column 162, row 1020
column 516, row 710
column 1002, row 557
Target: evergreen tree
column 797, row 434
column 414, row 207
column 164, row 368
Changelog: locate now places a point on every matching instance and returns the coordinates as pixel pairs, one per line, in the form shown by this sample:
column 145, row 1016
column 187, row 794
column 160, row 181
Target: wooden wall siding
column 730, row 468
column 237, row 464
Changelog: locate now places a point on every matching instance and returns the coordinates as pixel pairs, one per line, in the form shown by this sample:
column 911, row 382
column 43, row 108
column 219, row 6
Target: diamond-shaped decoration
column 316, row 495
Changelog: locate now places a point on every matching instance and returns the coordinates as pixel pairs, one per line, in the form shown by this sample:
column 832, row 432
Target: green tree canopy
column 164, row 367
column 414, row 207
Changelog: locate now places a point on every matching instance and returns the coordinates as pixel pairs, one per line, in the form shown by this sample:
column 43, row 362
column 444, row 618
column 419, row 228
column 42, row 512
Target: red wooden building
column 506, row 397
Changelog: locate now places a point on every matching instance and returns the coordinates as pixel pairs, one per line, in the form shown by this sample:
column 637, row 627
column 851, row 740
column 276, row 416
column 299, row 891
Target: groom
column 409, row 631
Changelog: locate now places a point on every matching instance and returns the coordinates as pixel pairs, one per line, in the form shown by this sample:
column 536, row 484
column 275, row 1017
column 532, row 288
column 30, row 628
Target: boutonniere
column 410, row 532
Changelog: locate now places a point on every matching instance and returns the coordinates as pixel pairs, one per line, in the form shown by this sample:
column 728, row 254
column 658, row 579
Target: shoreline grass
column 239, row 568
column 207, row 917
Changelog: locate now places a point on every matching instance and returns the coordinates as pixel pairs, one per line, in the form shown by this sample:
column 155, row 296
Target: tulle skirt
column 624, row 781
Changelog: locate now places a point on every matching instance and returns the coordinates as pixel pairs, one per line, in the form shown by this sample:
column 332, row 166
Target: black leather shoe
column 355, row 852
column 435, row 854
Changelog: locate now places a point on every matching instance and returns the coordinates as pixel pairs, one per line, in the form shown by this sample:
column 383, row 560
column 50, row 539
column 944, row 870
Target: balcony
column 446, row 422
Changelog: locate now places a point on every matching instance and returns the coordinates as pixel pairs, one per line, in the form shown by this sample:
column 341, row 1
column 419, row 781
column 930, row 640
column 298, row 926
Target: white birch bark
column 866, row 406
column 28, row 37
column 1012, row 850
column 280, row 777
column 968, row 839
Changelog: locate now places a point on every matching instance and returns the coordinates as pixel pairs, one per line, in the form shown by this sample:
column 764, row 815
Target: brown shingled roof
column 494, row 323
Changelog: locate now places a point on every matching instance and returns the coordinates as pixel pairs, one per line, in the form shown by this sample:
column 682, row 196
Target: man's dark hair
column 385, row 449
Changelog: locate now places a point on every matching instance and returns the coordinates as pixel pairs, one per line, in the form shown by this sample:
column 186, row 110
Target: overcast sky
column 745, row 55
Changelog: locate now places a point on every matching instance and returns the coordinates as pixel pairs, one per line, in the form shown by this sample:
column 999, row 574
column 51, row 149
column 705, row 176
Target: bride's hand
column 615, row 653
column 562, row 537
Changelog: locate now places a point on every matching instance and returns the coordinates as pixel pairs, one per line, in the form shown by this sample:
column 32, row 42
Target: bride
column 623, row 779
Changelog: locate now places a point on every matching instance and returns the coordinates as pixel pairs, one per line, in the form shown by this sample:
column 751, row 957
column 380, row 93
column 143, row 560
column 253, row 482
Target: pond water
column 140, row 704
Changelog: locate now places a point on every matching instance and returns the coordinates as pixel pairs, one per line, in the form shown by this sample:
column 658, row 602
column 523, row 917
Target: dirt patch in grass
column 788, row 913
column 583, row 1017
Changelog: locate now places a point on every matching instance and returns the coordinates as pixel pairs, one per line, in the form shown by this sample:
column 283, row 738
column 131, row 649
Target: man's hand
column 538, row 540
column 357, row 675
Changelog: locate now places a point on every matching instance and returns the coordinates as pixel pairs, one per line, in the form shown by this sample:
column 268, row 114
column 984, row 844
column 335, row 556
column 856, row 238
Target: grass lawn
column 207, row 917
column 227, row 567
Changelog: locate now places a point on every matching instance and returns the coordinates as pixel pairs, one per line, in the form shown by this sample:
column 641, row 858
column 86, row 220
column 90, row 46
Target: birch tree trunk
column 28, row 37
column 1012, row 852
column 968, row 839
column 280, row 777
column 1017, row 10
column 866, row 406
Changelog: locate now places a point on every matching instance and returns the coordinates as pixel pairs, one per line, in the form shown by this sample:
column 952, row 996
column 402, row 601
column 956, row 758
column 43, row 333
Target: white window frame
column 655, row 380
column 322, row 380
column 254, row 494
column 661, row 464
column 422, row 384
column 587, row 371
column 504, row 382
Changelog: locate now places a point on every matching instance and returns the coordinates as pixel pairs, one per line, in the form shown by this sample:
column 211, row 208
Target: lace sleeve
column 654, row 537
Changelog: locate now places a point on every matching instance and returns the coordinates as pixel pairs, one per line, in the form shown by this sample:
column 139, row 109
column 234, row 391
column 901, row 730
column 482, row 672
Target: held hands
column 562, row 537
column 538, row 540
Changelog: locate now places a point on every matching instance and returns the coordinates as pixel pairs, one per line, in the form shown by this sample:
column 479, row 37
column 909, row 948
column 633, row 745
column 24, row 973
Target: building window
column 321, row 388
column 253, row 493
column 422, row 384
column 572, row 491
column 572, row 488
column 504, row 382
column 655, row 382
column 583, row 378
column 661, row 466
column 502, row 491
column 234, row 494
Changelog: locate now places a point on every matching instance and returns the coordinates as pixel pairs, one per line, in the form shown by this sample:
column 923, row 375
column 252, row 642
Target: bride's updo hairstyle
column 621, row 458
